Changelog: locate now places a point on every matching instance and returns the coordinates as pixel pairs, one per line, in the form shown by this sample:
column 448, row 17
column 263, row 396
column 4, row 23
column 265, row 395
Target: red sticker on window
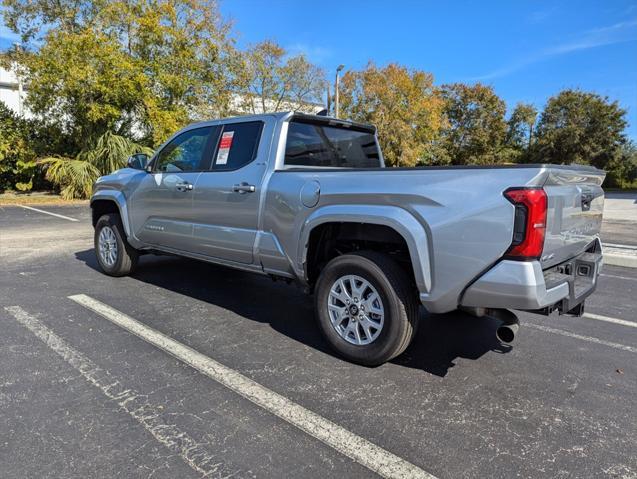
column 224, row 147
column 226, row 139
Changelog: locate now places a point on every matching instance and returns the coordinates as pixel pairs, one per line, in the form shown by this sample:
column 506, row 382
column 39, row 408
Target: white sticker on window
column 224, row 147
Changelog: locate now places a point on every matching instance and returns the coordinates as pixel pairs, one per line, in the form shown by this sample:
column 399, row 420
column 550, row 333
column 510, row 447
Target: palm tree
column 75, row 176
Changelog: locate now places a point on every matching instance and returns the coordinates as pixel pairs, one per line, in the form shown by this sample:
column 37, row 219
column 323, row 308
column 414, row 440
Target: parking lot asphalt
column 619, row 231
column 82, row 396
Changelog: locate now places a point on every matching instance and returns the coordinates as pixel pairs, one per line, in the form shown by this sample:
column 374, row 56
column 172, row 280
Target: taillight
column 529, row 224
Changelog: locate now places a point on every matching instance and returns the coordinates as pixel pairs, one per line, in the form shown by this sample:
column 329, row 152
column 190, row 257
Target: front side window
column 237, row 145
column 316, row 145
column 185, row 152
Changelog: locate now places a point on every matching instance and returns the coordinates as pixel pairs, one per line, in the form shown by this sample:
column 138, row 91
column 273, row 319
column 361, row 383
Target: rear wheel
column 366, row 307
column 114, row 255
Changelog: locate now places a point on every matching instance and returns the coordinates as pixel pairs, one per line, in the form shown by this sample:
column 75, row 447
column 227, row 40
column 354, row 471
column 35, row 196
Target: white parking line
column 590, row 339
column 373, row 457
column 621, row 246
column 618, row 277
column 48, row 213
column 599, row 317
column 134, row 403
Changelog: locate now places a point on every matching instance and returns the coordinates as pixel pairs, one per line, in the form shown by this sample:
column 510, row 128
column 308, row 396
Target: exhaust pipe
column 507, row 332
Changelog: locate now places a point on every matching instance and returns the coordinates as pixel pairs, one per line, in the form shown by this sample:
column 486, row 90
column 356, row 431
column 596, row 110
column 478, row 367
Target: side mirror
column 138, row 161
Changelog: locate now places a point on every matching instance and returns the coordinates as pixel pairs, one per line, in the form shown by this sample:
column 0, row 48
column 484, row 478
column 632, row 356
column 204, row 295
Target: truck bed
column 468, row 223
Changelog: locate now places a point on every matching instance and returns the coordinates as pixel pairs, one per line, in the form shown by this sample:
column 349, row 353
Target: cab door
column 161, row 205
column 227, row 197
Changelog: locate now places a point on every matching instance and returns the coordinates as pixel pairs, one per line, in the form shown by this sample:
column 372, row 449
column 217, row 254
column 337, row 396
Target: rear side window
column 237, row 145
column 317, row 145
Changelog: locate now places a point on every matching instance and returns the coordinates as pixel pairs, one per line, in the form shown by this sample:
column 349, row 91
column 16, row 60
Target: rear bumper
column 523, row 285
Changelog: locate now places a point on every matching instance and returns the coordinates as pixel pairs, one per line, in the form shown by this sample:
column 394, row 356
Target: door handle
column 185, row 186
column 244, row 188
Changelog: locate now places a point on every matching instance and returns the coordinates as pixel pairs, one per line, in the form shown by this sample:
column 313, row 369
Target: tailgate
column 574, row 215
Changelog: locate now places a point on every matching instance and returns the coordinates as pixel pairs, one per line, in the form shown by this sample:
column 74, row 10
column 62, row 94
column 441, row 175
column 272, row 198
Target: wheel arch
column 397, row 221
column 110, row 201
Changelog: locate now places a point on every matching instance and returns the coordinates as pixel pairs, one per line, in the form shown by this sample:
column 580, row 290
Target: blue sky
column 528, row 50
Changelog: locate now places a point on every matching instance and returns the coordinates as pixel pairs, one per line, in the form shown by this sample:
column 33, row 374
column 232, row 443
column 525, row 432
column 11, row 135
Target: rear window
column 315, row 145
column 237, row 145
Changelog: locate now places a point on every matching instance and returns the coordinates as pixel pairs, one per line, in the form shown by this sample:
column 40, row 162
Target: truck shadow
column 440, row 341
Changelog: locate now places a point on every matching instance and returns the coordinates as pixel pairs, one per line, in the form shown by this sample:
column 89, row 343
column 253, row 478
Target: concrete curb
column 620, row 255
column 624, row 260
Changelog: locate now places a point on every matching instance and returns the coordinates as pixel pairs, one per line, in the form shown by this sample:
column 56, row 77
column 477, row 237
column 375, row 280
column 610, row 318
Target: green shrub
column 18, row 169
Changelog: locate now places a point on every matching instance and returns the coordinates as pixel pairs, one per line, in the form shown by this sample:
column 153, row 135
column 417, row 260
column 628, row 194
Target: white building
column 11, row 92
column 254, row 105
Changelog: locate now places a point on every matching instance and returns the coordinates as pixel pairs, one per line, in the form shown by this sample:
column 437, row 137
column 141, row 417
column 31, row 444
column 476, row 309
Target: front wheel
column 114, row 255
column 366, row 307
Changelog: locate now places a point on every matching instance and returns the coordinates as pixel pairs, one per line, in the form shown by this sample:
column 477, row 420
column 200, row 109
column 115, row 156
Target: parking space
column 619, row 232
column 81, row 395
column 20, row 215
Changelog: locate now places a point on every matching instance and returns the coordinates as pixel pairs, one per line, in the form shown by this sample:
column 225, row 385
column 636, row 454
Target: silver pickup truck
column 307, row 198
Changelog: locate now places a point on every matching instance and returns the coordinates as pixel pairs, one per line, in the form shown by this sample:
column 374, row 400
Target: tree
column 107, row 75
column 186, row 54
column 139, row 68
column 622, row 170
column 31, row 18
column 520, row 126
column 580, row 127
column 405, row 107
column 476, row 127
column 83, row 84
column 274, row 81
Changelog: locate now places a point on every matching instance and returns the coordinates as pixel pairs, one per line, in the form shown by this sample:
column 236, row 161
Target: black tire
column 399, row 300
column 126, row 256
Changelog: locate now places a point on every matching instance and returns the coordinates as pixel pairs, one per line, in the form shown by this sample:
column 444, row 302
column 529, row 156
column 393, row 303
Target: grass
column 35, row 198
